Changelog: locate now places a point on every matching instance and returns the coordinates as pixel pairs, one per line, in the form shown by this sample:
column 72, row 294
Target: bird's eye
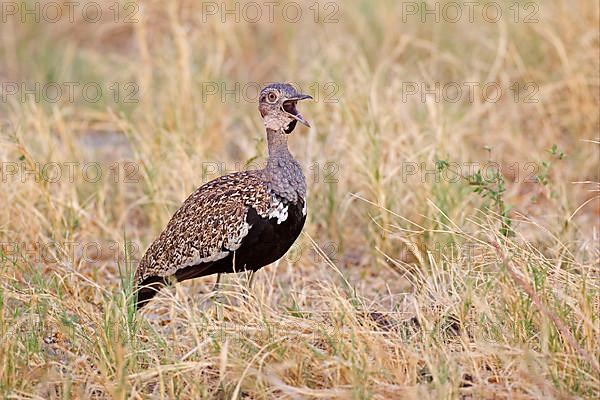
column 272, row 97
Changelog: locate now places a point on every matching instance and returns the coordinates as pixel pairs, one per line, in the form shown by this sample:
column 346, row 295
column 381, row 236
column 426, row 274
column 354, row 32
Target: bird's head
column 277, row 105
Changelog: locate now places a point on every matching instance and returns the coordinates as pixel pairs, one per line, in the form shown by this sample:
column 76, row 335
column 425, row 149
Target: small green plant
column 542, row 177
column 489, row 185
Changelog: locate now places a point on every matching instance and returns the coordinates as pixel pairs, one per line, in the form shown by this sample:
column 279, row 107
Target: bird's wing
column 209, row 225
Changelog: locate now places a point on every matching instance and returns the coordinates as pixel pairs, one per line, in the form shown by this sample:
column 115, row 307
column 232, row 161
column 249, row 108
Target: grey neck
column 283, row 173
column 278, row 148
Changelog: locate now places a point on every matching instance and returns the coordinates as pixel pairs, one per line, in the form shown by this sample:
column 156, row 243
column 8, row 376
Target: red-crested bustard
column 249, row 218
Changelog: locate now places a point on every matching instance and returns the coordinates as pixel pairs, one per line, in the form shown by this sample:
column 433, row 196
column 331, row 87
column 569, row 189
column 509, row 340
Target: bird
column 237, row 222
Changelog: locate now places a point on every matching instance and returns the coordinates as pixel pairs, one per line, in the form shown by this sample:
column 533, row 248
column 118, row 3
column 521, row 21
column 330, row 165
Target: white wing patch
column 278, row 210
column 304, row 207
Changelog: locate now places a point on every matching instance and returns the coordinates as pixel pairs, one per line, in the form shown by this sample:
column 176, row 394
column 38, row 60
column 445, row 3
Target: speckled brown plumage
column 244, row 220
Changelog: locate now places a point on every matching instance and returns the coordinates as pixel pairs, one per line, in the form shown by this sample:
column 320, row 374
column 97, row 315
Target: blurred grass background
column 401, row 287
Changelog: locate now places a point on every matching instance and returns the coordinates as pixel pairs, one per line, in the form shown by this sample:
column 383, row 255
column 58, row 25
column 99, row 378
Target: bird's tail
column 147, row 289
column 150, row 286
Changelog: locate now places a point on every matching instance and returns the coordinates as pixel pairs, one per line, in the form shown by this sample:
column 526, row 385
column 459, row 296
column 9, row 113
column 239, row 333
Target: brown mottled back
column 210, row 221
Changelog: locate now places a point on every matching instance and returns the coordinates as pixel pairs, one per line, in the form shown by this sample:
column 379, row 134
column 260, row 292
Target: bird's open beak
column 289, row 106
column 301, row 97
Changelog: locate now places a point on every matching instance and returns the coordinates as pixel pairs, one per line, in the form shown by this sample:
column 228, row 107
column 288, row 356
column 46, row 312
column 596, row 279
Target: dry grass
column 402, row 285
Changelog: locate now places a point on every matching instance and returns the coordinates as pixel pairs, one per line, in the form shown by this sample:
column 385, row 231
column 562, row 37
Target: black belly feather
column 266, row 242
